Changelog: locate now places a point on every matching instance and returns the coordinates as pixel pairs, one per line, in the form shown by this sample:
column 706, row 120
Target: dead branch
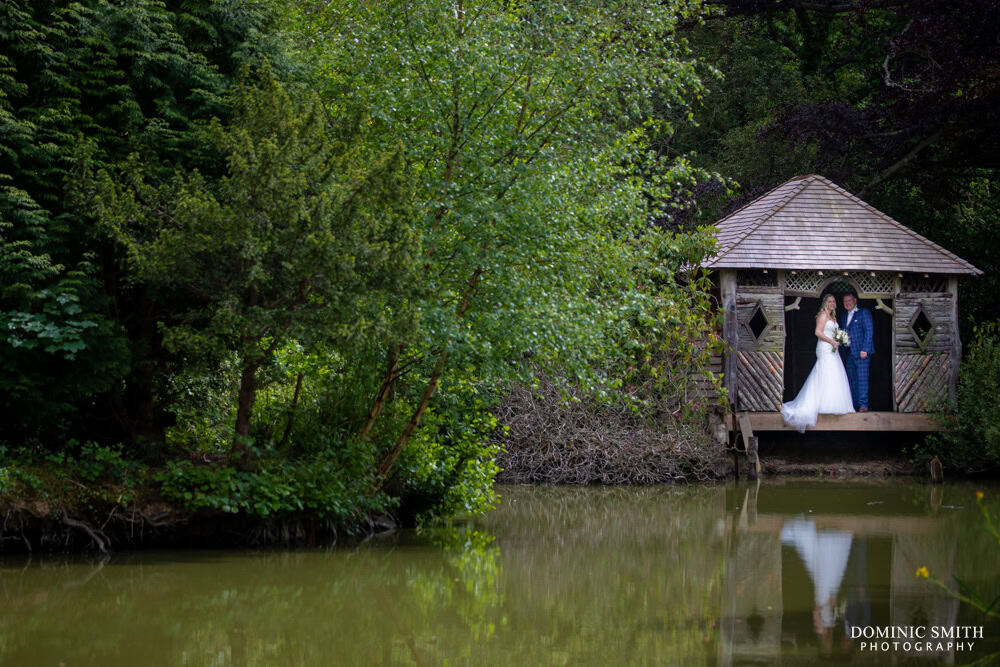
column 99, row 538
column 554, row 442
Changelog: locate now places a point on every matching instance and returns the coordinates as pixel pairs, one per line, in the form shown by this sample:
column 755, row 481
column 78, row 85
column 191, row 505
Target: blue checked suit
column 860, row 331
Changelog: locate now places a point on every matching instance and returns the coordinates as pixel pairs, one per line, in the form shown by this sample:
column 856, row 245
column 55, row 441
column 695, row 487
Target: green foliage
column 972, row 441
column 964, row 591
column 78, row 475
column 304, row 237
column 533, row 189
column 313, row 486
column 101, row 80
column 94, row 462
column 669, row 330
column 50, row 324
column 21, row 480
column 203, row 405
column 961, row 216
column 521, row 196
column 336, row 230
column 451, row 458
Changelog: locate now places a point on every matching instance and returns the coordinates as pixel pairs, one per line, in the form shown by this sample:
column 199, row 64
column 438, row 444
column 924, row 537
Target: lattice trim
column 751, row 278
column 803, row 281
column 915, row 282
column 881, row 283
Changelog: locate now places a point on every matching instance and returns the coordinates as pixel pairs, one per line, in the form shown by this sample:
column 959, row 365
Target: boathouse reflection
column 797, row 582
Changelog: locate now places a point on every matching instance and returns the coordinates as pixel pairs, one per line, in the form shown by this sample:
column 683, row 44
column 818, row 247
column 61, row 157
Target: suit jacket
column 861, row 332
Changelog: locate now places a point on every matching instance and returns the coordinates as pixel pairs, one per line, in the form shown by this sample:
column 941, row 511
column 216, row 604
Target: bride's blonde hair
column 822, row 305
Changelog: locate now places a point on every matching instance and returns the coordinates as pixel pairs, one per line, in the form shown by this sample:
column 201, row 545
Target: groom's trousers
column 857, row 376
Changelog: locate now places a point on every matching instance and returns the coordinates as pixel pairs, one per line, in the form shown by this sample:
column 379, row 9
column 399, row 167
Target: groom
column 858, row 324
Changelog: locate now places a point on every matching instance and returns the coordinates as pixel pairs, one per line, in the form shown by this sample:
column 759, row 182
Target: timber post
column 730, row 331
column 750, row 443
column 956, row 340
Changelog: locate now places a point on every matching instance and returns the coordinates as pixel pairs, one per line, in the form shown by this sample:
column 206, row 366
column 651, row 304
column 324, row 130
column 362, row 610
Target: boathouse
column 808, row 237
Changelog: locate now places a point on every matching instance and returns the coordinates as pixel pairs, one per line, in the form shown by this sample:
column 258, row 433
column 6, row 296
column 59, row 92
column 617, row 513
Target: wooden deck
column 868, row 526
column 863, row 421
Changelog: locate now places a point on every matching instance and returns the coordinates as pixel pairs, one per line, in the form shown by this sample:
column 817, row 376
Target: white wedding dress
column 826, row 390
column 825, row 554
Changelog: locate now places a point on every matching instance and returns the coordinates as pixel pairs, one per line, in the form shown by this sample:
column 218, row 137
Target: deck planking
column 858, row 421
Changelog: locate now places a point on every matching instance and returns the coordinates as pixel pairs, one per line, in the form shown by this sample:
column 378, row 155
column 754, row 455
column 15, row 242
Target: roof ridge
column 896, row 223
column 764, row 217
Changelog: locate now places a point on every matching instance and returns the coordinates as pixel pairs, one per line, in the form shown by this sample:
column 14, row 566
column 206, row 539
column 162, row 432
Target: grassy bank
column 98, row 500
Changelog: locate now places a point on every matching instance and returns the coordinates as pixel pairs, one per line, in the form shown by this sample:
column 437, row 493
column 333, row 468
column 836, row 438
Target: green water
column 555, row 576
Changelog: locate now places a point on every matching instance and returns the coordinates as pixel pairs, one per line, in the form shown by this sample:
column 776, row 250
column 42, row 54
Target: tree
column 885, row 89
column 79, row 348
column 893, row 99
column 302, row 238
column 524, row 130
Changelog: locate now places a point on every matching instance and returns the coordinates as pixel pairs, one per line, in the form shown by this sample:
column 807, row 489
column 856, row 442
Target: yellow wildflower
column 922, row 572
column 979, row 495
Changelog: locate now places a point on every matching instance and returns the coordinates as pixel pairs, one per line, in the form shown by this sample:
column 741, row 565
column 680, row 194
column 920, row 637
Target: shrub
column 450, row 463
column 972, row 441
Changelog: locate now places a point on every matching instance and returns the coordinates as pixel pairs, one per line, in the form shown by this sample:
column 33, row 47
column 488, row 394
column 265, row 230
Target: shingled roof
column 812, row 223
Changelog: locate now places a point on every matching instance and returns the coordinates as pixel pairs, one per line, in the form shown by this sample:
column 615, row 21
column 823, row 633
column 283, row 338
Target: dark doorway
column 800, row 349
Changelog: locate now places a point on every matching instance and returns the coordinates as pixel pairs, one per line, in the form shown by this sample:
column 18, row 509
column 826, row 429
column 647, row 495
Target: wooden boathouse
column 779, row 254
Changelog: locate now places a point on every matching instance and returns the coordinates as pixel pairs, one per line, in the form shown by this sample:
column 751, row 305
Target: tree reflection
column 555, row 576
column 580, row 575
column 810, row 568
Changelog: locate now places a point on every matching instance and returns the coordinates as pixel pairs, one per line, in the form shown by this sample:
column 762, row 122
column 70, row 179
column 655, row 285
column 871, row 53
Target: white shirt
column 850, row 315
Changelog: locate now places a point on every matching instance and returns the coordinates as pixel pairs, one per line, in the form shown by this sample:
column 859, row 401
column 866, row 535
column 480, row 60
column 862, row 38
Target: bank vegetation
column 285, row 269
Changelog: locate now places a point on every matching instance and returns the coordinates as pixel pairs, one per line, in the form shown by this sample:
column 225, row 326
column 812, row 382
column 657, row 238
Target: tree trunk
column 248, row 392
column 411, row 425
column 390, row 377
column 139, row 398
column 291, row 411
column 425, row 399
column 900, row 163
column 145, row 375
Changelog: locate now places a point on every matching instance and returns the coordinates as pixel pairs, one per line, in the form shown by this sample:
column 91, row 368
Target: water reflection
column 779, row 572
column 809, row 571
column 824, row 554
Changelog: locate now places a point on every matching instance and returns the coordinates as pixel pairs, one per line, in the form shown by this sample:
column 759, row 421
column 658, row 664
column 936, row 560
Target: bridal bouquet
column 840, row 335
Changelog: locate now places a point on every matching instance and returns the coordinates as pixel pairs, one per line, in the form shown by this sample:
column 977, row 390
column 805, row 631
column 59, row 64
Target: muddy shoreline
column 31, row 525
column 35, row 527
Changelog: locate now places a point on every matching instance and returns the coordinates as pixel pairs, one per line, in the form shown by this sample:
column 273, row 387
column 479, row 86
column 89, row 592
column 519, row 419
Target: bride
column 826, row 389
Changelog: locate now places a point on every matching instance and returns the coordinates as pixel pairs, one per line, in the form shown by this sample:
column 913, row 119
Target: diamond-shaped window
column 758, row 323
column 921, row 326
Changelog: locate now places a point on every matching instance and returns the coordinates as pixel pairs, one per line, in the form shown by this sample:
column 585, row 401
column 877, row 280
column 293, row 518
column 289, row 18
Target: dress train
column 826, row 390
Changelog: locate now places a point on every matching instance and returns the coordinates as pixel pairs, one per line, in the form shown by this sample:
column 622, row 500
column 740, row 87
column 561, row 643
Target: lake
column 785, row 571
